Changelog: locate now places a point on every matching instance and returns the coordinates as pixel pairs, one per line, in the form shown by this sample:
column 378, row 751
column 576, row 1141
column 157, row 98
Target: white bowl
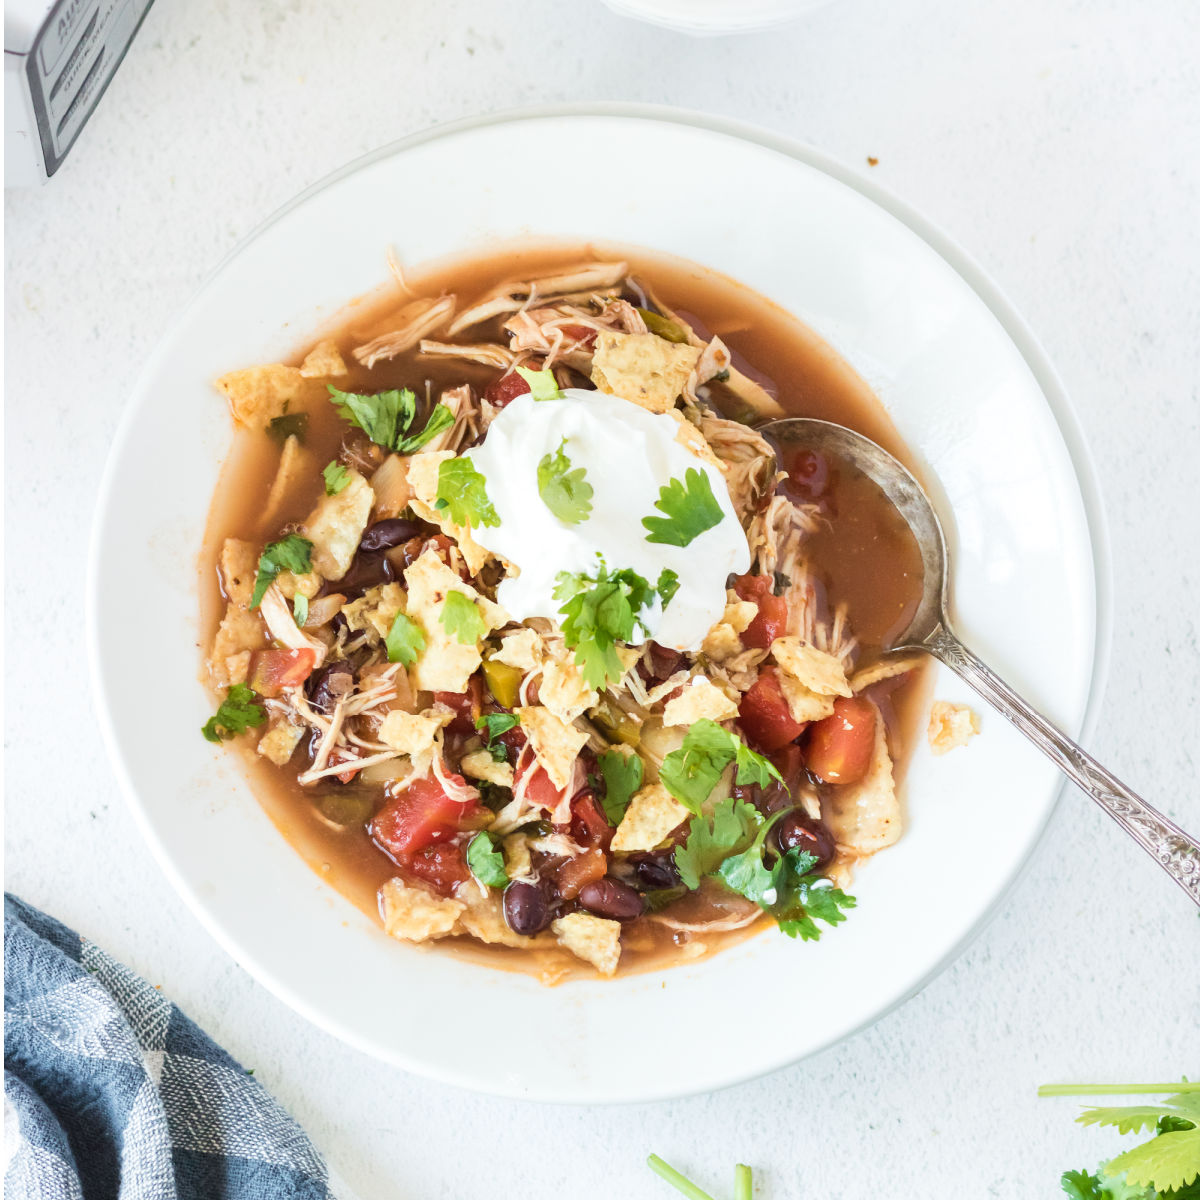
column 708, row 18
column 969, row 391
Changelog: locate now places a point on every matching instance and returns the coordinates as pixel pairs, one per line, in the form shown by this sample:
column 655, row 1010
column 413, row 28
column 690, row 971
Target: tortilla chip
column 323, row 360
column 865, row 816
column 700, row 700
column 480, row 764
column 691, row 438
column 643, row 368
column 723, row 641
column 335, row 526
column 423, row 472
column 257, row 395
column 522, row 649
column 563, row 689
column 414, row 734
column 239, row 568
column 593, row 939
column 885, row 668
column 279, row 743
column 652, row 814
column 951, row 726
column 239, row 633
column 556, row 745
column 816, row 670
column 415, row 915
column 517, row 860
column 375, row 610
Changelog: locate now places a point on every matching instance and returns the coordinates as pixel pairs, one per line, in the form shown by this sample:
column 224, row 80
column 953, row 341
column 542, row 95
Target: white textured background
column 1059, row 141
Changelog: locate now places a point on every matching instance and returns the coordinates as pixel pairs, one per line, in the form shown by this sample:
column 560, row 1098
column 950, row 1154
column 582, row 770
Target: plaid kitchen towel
column 111, row 1093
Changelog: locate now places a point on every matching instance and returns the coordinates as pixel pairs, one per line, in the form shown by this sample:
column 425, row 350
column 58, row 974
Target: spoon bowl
column 930, row 630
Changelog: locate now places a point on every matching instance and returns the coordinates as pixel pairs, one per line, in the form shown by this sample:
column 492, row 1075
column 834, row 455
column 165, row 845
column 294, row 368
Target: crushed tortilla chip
column 556, row 745
column 594, row 939
column 415, row 915
column 295, row 463
column 335, row 526
column 723, row 641
column 375, row 610
column 643, row 368
column 522, row 650
column 445, row 664
column 809, row 678
column 239, row 633
column 692, row 439
column 415, row 734
column 484, row 919
column 951, row 726
column 865, row 816
column 279, row 743
column 563, row 689
column 239, row 568
column 700, row 700
column 423, row 472
column 323, row 360
column 257, row 395
column 480, row 764
column 652, row 814
column 885, row 668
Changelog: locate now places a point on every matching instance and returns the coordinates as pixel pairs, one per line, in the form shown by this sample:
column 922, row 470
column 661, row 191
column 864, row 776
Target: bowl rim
column 959, row 261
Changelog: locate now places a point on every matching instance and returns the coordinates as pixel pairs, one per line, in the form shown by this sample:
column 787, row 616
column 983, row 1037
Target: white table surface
column 1059, row 142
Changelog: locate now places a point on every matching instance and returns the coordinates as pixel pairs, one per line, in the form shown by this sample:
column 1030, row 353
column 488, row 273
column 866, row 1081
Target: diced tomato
column 580, row 333
column 771, row 621
column 579, row 871
column 423, row 815
column 335, row 757
column 540, row 787
column 839, row 748
column 589, row 825
column 273, row 670
column 764, row 714
column 505, row 390
column 444, row 866
column 466, row 705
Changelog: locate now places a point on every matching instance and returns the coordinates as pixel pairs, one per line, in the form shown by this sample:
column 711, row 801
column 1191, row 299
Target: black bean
column 395, row 531
column 798, row 832
column 368, row 570
column 525, row 908
column 608, row 898
column 656, row 871
column 323, row 687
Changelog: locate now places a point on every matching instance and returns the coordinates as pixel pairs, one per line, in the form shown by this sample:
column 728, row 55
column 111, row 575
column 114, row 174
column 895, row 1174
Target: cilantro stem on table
column 743, row 1182
column 681, row 1183
column 1116, row 1089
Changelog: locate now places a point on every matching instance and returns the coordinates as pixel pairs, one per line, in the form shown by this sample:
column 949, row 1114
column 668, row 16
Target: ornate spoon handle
column 1175, row 851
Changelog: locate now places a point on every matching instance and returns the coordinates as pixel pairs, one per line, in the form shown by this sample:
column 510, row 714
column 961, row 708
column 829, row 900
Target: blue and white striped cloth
column 111, row 1092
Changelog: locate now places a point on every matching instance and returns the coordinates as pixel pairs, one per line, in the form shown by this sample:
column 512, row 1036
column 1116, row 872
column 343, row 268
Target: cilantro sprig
column 291, row 553
column 743, row 1180
column 667, row 586
column 492, row 725
column 405, row 640
column 565, row 492
column 691, row 772
column 690, row 508
column 235, row 714
column 1167, row 1167
column 336, row 478
column 385, row 417
column 462, row 492
column 486, row 861
column 460, row 618
column 598, row 612
column 623, row 775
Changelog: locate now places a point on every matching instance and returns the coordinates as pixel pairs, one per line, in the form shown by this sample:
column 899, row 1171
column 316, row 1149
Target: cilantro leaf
column 292, row 553
column 542, row 384
column 405, row 640
column 336, row 478
column 691, row 772
column 667, row 586
column 382, row 416
column 235, row 714
column 566, row 493
column 485, row 861
column 1082, row 1185
column 690, row 508
column 803, row 898
column 300, row 608
column 441, row 418
column 462, row 490
column 288, row 425
column 461, row 618
column 1167, row 1161
column 492, row 725
column 622, row 777
column 597, row 613
column 711, row 840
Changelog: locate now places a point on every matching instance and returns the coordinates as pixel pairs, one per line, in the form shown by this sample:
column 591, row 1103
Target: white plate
column 968, row 390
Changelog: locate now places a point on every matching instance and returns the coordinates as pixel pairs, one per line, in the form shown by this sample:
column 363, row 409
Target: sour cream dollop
column 628, row 455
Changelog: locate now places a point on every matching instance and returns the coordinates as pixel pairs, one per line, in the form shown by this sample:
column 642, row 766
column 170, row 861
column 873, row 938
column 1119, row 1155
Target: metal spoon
column 1175, row 851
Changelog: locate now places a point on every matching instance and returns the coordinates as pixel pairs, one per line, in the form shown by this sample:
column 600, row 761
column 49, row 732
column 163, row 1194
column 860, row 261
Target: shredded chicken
column 418, row 320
